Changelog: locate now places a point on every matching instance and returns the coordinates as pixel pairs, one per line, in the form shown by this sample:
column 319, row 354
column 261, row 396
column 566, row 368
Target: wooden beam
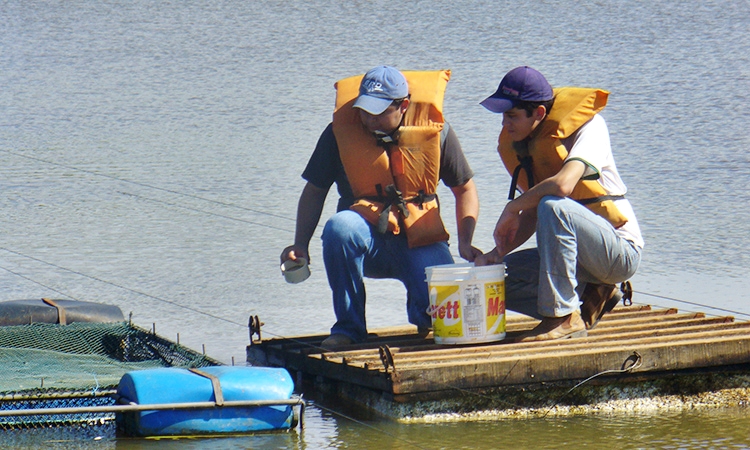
column 579, row 364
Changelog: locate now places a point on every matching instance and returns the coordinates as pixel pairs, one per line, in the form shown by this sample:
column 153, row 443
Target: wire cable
column 626, row 369
column 359, row 422
column 677, row 300
column 146, row 185
column 39, row 283
column 175, row 205
column 173, row 303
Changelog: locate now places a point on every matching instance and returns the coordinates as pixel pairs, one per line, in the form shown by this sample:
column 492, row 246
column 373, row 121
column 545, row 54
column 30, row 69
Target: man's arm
column 309, row 209
column 467, row 212
column 515, row 224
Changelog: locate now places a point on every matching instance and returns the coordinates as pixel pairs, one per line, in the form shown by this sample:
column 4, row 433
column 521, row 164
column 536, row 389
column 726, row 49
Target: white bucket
column 467, row 303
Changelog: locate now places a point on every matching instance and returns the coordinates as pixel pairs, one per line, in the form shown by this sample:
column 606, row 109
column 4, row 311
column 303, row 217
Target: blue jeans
column 353, row 249
column 574, row 247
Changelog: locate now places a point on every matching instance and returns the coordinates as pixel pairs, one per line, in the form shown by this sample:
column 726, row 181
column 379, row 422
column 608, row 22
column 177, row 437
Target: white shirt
column 590, row 145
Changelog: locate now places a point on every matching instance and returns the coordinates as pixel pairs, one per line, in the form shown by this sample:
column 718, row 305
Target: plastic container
column 173, row 385
column 467, row 303
column 295, row 271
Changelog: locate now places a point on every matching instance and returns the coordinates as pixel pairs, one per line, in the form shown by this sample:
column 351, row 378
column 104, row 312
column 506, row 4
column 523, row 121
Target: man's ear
column 404, row 105
column 540, row 112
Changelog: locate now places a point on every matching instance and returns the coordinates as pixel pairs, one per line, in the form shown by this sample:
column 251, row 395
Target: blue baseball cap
column 379, row 88
column 520, row 84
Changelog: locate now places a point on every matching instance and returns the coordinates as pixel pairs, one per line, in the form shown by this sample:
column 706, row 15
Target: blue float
column 182, row 388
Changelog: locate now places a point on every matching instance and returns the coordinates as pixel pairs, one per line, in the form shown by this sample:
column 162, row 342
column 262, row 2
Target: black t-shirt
column 325, row 168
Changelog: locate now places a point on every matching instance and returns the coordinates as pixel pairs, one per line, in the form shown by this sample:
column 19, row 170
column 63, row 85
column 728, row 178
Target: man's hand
column 506, row 230
column 294, row 252
column 469, row 252
column 491, row 257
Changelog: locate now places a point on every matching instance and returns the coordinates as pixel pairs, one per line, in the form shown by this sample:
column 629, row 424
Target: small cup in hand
column 295, row 271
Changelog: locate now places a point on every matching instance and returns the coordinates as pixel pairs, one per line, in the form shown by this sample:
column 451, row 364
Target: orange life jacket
column 396, row 187
column 545, row 153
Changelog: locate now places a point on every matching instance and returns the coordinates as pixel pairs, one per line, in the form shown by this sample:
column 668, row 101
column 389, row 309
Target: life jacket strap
column 390, row 196
column 525, row 164
column 601, row 198
column 421, row 198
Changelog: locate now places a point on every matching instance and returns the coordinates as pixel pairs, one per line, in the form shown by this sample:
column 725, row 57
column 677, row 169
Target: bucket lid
column 464, row 272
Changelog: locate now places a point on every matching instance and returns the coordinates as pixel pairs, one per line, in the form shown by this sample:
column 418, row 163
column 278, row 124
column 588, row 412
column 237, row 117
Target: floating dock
column 637, row 355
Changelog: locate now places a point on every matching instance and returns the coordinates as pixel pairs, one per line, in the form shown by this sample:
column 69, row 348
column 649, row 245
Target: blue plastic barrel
column 172, row 385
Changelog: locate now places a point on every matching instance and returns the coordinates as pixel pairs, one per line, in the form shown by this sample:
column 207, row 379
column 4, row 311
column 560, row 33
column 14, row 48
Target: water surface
column 150, row 157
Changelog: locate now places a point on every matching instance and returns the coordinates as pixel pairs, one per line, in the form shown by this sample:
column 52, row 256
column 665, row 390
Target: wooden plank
column 625, row 313
column 418, row 362
column 575, row 365
column 661, row 318
column 439, row 351
column 401, row 332
column 336, row 367
column 405, row 361
column 617, row 327
column 665, row 339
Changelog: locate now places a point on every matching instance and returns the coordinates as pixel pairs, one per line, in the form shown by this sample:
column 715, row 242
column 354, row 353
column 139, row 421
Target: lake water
column 150, row 157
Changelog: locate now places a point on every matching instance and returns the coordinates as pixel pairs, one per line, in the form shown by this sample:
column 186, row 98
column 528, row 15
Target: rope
column 37, row 282
column 137, row 183
column 359, row 422
column 243, row 325
column 175, row 205
column 626, row 368
column 124, row 288
column 676, row 300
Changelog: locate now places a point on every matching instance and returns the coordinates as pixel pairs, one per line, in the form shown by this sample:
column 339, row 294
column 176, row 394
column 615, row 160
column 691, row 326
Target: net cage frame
column 77, row 367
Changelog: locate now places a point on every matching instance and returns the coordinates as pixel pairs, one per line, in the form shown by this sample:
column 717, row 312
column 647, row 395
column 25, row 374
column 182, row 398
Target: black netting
column 72, row 418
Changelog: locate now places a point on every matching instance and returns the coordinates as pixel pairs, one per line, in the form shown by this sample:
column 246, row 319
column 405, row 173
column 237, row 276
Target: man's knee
column 345, row 228
column 342, row 225
column 554, row 210
column 550, row 204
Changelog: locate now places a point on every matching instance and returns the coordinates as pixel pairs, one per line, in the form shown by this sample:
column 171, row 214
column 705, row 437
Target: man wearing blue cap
column 556, row 147
column 386, row 149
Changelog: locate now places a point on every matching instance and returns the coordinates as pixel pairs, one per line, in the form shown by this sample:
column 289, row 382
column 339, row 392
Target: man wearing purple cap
column 556, row 147
column 386, row 149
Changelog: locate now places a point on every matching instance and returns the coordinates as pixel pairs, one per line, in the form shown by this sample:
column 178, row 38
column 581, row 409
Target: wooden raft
column 400, row 364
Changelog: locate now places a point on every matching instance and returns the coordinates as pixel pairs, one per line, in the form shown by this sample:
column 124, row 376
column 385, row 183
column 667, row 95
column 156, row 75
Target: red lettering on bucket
column 450, row 310
column 495, row 307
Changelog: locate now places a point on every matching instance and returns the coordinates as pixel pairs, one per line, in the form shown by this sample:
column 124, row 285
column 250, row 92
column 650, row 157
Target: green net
column 77, row 365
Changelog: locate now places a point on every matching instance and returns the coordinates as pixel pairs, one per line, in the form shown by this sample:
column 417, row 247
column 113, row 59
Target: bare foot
column 550, row 328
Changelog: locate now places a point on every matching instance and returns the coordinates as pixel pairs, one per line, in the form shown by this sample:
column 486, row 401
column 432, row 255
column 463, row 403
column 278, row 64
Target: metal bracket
column 254, row 325
column 632, row 362
column 386, row 357
column 60, row 311
column 214, row 382
column 627, row 293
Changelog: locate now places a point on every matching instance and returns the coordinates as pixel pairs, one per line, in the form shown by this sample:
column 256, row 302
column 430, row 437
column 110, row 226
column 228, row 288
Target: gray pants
column 574, row 247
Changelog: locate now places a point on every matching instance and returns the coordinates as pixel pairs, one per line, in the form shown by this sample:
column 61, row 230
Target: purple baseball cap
column 380, row 86
column 520, row 84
